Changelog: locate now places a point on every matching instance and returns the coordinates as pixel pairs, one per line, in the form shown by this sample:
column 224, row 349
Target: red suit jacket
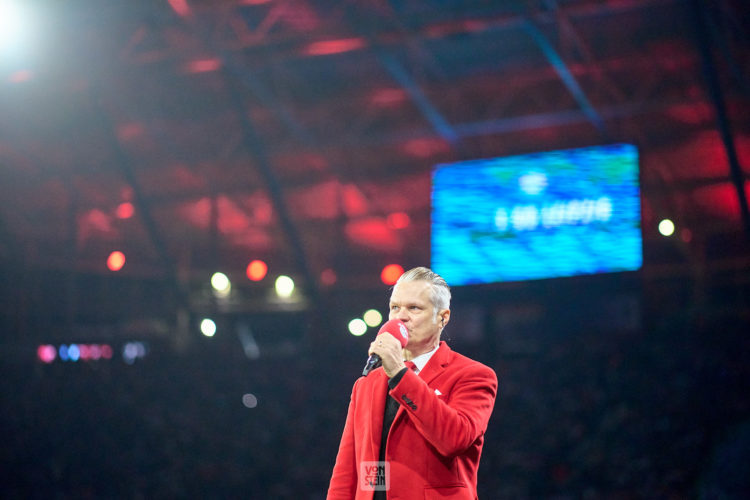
column 436, row 439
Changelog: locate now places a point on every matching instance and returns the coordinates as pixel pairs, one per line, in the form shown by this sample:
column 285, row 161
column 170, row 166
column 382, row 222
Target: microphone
column 395, row 327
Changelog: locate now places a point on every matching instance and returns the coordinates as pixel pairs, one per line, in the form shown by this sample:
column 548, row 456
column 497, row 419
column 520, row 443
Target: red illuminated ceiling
column 293, row 131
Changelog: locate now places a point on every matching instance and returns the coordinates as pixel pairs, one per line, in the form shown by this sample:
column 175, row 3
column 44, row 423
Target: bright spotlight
column 249, row 400
column 256, row 270
column 666, row 227
column 12, row 24
column 74, row 353
column 391, row 273
column 284, row 286
column 357, row 327
column 46, row 353
column 221, row 284
column 372, row 317
column 208, row 327
column 115, row 261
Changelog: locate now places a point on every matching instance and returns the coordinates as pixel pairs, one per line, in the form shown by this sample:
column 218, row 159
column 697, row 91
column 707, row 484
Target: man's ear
column 445, row 316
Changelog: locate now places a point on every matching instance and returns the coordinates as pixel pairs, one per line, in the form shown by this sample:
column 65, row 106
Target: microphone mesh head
column 397, row 328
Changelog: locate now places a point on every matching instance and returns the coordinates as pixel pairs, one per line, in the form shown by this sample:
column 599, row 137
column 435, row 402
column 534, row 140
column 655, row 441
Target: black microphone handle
column 372, row 362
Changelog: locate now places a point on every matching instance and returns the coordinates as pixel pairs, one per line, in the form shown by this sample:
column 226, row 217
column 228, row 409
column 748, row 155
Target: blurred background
column 200, row 199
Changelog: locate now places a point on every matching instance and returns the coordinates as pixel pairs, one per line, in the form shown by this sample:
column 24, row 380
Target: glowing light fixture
column 46, row 353
column 208, row 327
column 328, row 277
column 666, row 227
column 284, row 286
column 391, row 273
column 398, row 220
column 115, row 261
column 326, row 47
column 12, row 24
column 221, row 284
column 357, row 327
column 249, row 400
column 256, row 270
column 74, row 352
column 203, row 66
column 372, row 317
column 125, row 210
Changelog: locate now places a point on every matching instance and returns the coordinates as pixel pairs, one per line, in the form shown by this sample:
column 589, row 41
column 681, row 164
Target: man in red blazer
column 439, row 408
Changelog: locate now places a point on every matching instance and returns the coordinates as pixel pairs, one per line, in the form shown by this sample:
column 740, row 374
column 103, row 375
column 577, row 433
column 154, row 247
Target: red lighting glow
column 399, row 220
column 424, row 148
column 391, row 273
column 328, row 277
column 125, row 210
column 46, row 353
column 203, row 66
column 327, row 47
column 20, row 76
column 115, row 261
column 256, row 270
column 388, row 97
column 180, row 7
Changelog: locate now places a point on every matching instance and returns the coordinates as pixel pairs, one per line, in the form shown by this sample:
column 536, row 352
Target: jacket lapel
column 437, row 363
column 434, row 367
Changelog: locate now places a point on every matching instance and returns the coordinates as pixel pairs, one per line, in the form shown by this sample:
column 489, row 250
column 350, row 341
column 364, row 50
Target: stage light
column 391, row 273
column 328, row 277
column 372, row 317
column 220, row 281
column 63, row 351
column 256, row 270
column 106, row 351
column 208, row 327
column 327, row 47
column 12, row 24
column 666, row 227
column 125, row 210
column 357, row 327
column 115, row 261
column 74, row 353
column 46, row 353
column 203, row 66
column 398, row 220
column 221, row 284
column 132, row 351
column 249, row 400
column 181, row 7
column 284, row 286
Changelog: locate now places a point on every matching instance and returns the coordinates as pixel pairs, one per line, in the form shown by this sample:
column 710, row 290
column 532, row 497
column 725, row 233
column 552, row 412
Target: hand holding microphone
column 388, row 348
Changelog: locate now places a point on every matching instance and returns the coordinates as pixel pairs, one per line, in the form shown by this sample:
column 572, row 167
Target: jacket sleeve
column 343, row 483
column 452, row 426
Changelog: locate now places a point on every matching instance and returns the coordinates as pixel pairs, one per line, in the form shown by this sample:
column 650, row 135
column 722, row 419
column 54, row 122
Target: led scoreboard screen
column 542, row 215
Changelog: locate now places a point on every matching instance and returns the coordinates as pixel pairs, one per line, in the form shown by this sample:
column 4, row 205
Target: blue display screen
column 535, row 216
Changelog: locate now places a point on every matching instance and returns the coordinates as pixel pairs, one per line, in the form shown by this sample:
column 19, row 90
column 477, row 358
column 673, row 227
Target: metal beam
column 703, row 40
column 123, row 165
column 425, row 106
column 255, row 146
column 566, row 76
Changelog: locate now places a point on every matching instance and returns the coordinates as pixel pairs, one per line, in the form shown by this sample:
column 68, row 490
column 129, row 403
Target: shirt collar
column 421, row 360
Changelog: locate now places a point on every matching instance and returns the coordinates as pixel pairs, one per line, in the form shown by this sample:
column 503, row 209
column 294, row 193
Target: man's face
column 410, row 302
